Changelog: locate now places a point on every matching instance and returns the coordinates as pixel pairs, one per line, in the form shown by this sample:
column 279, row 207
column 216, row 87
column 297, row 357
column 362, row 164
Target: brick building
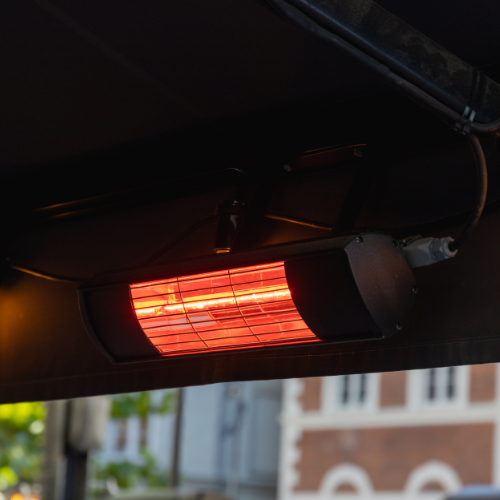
column 402, row 435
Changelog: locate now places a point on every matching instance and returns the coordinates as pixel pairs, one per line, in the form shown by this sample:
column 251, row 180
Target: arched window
column 433, row 486
column 345, row 488
column 433, row 474
column 346, row 479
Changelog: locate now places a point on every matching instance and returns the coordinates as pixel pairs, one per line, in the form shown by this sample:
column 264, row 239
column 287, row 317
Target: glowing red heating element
column 234, row 309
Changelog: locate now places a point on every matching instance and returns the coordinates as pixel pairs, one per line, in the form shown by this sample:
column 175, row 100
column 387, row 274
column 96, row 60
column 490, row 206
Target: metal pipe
column 176, row 449
column 54, row 463
column 409, row 60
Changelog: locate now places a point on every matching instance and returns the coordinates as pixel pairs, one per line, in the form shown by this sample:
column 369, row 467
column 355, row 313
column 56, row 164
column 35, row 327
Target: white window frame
column 417, row 384
column 331, row 391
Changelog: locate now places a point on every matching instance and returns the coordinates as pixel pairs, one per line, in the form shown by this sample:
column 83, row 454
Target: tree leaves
column 21, row 441
column 127, row 474
column 141, row 404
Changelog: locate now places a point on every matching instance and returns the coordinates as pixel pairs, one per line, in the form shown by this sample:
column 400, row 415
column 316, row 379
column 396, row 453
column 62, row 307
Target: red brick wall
column 310, row 399
column 389, row 455
column 392, row 389
column 482, row 382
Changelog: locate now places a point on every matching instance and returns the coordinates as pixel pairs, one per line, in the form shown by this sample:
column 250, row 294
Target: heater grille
column 233, row 309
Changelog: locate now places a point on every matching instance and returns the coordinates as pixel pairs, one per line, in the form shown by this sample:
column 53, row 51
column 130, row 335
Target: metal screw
column 399, row 325
column 359, row 239
column 358, row 152
column 414, row 289
column 288, row 168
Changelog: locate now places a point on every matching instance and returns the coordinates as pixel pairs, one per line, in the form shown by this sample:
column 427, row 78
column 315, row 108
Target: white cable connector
column 427, row 251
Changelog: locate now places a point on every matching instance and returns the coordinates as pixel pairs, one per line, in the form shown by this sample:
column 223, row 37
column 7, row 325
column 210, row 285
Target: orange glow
column 234, row 309
column 16, row 496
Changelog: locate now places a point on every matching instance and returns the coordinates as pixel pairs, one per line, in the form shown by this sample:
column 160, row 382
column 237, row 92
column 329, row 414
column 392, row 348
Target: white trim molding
column 432, row 471
column 395, row 418
column 288, row 476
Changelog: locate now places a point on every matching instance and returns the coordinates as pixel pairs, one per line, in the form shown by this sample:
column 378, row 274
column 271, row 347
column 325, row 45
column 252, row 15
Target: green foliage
column 146, row 472
column 140, row 404
column 127, row 474
column 21, row 441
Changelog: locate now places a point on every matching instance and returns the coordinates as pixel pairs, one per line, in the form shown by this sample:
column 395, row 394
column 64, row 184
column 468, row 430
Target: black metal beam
column 407, row 58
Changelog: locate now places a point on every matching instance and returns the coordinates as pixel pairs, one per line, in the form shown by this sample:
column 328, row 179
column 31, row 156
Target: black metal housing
column 365, row 286
column 346, row 289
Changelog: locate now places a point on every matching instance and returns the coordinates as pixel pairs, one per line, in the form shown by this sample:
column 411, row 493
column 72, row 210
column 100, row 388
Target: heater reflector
column 232, row 309
column 301, row 295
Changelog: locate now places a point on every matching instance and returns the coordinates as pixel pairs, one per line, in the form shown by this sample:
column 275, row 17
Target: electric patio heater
column 325, row 290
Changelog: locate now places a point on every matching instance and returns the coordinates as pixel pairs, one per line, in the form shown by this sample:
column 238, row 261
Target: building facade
column 418, row 435
column 229, row 439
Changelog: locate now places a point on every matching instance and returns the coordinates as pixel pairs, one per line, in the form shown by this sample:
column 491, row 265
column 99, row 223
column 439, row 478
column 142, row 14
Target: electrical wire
column 156, row 255
column 448, row 114
column 482, row 187
column 42, row 274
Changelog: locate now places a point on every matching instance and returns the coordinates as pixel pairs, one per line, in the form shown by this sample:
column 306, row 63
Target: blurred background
column 420, row 435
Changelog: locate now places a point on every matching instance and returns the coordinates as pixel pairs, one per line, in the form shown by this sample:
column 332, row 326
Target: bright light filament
column 235, row 309
column 186, row 306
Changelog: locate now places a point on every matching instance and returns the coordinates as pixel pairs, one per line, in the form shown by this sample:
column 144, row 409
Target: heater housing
column 342, row 289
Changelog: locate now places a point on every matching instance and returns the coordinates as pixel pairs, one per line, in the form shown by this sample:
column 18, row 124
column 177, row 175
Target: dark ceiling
column 86, row 76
